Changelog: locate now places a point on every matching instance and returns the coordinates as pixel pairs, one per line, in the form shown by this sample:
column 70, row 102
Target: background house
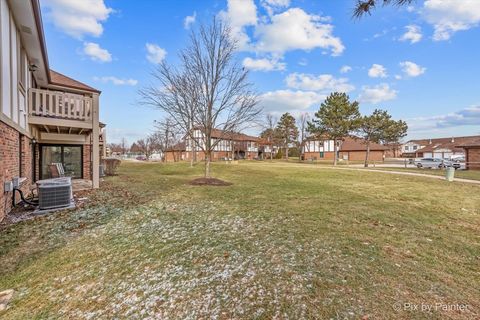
column 472, row 154
column 442, row 148
column 348, row 148
column 228, row 145
column 45, row 116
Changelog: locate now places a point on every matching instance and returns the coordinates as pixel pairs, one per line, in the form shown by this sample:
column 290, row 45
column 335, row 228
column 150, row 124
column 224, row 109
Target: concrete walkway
column 477, row 182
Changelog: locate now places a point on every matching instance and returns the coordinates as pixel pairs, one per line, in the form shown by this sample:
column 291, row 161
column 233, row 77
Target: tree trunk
column 191, row 150
column 334, row 152
column 207, row 164
column 367, row 154
column 286, row 152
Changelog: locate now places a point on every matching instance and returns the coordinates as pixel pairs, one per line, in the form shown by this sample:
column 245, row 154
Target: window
column 406, row 148
column 70, row 156
column 414, row 147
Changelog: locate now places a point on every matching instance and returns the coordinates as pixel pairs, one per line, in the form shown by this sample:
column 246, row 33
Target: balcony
column 60, row 111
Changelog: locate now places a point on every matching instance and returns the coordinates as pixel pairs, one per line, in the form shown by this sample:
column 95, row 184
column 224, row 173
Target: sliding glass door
column 68, row 155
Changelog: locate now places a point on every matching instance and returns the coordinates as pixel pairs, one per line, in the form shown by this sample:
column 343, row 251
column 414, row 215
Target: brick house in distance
column 442, row 148
column 45, row 116
column 472, row 154
column 348, row 148
column 229, row 146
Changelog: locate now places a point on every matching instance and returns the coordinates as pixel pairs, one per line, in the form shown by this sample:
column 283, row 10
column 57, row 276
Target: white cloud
column 263, row 64
column 277, row 3
column 322, row 82
column 377, row 71
column 295, row 29
column 117, row 81
column 412, row 69
column 376, row 94
column 345, row 69
column 189, row 20
column 303, row 62
column 155, row 54
column 240, row 14
column 281, row 101
column 450, row 16
column 78, row 18
column 274, row 5
column 466, row 117
column 413, row 34
column 96, row 53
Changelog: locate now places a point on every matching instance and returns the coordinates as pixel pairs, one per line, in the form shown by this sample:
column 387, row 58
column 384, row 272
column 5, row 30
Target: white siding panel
column 14, row 66
column 5, row 58
column 23, row 114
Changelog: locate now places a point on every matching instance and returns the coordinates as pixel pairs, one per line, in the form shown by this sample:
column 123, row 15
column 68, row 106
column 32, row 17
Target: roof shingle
column 59, row 79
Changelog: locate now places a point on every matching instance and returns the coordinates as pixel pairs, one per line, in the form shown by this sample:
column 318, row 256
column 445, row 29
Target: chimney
column 453, row 139
column 430, row 141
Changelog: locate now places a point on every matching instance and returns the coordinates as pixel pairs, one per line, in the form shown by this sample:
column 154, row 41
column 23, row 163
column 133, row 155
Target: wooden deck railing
column 55, row 104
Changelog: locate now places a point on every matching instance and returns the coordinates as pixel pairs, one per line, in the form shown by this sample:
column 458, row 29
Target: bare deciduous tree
column 166, row 135
column 124, row 146
column 303, row 126
column 209, row 90
column 268, row 132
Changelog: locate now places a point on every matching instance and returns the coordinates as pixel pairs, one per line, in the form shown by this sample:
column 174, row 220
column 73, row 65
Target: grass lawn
column 283, row 241
column 464, row 174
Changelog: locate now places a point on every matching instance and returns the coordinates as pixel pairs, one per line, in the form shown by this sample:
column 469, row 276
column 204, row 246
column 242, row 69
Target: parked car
column 141, row 158
column 432, row 163
column 458, row 163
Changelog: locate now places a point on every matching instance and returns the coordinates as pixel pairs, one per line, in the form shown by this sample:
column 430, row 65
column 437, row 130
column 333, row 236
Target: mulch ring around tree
column 209, row 182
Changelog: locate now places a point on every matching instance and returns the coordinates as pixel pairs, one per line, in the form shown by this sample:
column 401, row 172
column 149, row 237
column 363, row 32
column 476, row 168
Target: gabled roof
column 471, row 144
column 451, row 143
column 59, row 79
column 359, row 144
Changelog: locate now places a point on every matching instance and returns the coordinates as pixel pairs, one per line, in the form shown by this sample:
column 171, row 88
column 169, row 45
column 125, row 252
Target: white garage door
column 427, row 155
column 438, row 155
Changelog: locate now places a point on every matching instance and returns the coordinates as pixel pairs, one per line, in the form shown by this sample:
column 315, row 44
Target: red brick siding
column 316, row 155
column 360, row 155
column 473, row 158
column 10, row 163
column 173, row 156
column 87, row 161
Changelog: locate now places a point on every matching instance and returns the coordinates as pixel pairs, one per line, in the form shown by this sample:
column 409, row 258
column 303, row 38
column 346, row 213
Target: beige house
column 45, row 116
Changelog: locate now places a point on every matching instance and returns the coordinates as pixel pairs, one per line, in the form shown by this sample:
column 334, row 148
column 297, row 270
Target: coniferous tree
column 287, row 131
column 336, row 118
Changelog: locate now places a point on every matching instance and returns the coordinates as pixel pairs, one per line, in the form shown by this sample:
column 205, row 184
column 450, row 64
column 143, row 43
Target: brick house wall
column 15, row 161
column 87, row 161
column 360, row 155
column 316, row 155
column 177, row 155
column 473, row 158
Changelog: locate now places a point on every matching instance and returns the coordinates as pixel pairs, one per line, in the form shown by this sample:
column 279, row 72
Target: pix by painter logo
column 429, row 307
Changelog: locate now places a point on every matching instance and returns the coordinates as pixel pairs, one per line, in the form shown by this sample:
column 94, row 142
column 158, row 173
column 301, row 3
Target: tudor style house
column 45, row 116
column 228, row 146
column 348, row 148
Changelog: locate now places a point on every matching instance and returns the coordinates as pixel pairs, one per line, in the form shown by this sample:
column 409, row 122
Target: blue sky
column 421, row 63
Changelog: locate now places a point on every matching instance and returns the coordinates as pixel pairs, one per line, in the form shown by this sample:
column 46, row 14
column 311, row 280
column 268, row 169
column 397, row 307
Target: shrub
column 111, row 165
column 279, row 154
